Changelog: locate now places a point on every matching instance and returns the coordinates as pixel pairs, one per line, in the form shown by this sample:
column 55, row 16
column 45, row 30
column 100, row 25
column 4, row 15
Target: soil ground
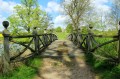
column 65, row 61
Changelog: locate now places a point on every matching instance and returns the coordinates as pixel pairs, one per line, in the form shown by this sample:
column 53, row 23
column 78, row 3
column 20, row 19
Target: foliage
column 25, row 71
column 75, row 9
column 103, row 68
column 28, row 15
column 84, row 30
column 69, row 28
column 34, row 62
column 58, row 29
column 1, row 35
column 115, row 13
column 62, row 35
column 113, row 74
column 102, row 60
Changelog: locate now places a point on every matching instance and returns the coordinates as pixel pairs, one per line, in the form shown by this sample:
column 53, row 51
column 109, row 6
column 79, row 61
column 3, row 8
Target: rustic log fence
column 35, row 42
column 89, row 43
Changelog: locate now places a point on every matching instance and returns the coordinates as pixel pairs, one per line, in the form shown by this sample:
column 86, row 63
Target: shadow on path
column 65, row 61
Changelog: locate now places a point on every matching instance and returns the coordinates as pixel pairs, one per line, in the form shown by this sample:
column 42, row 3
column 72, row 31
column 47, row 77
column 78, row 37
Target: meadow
column 62, row 35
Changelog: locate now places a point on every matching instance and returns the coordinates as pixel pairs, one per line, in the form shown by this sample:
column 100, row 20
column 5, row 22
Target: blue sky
column 51, row 6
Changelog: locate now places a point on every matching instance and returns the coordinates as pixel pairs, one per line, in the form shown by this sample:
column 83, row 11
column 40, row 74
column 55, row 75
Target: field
column 62, row 35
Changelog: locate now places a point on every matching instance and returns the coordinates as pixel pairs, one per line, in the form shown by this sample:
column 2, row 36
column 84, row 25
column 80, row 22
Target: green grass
column 25, row 71
column 101, row 66
column 1, row 35
column 62, row 35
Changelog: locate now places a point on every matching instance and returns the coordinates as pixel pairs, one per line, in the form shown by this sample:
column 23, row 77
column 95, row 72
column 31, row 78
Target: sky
column 51, row 6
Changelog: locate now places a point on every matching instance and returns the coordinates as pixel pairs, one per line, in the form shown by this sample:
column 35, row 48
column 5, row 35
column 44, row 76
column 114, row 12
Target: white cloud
column 7, row 6
column 60, row 21
column 101, row 5
column 6, row 9
column 53, row 6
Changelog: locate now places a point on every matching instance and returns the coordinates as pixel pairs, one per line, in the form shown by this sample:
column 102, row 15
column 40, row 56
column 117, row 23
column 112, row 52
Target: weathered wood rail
column 35, row 42
column 90, row 44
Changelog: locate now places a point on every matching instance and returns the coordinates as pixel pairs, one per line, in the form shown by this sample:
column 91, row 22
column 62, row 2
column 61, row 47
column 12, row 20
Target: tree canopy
column 75, row 9
column 69, row 28
column 28, row 15
column 58, row 29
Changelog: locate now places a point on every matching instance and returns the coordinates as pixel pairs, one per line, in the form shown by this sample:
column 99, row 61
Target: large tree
column 28, row 15
column 115, row 13
column 75, row 9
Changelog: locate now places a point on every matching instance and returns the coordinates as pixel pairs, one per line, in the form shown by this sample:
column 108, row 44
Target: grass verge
column 62, row 35
column 25, row 71
column 103, row 68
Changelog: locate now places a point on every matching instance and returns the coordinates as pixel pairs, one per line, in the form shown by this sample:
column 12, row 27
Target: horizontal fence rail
column 91, row 42
column 35, row 43
column 21, row 47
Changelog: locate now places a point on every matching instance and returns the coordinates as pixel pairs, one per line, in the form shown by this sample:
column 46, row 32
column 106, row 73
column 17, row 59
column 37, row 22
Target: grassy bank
column 102, row 60
column 25, row 71
column 103, row 68
column 62, row 35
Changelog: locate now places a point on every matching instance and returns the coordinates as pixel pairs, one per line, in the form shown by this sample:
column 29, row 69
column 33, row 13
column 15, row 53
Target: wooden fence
column 89, row 43
column 36, row 43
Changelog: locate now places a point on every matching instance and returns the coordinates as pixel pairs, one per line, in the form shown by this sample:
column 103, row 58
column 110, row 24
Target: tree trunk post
column 119, row 42
column 89, row 41
column 45, row 37
column 36, row 40
column 50, row 38
column 6, row 55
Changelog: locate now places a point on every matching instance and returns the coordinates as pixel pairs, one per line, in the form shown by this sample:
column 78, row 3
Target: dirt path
column 70, row 64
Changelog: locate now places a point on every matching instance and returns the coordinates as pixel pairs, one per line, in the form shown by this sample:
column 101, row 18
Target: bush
column 58, row 29
column 113, row 74
column 69, row 28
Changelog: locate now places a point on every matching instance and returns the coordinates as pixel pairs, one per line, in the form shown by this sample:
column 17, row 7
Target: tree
column 115, row 13
column 75, row 9
column 28, row 15
column 58, row 29
column 69, row 28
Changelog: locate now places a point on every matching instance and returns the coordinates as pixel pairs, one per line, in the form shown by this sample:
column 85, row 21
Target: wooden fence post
column 88, row 40
column 119, row 42
column 88, row 43
column 5, row 55
column 50, row 36
column 44, row 36
column 36, row 40
column 79, row 38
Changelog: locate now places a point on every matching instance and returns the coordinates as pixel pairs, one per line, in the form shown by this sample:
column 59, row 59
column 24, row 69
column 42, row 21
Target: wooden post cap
column 90, row 27
column 119, row 22
column 5, row 24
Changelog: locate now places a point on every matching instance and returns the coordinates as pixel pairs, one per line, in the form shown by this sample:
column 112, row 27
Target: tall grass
column 100, row 60
column 25, row 71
